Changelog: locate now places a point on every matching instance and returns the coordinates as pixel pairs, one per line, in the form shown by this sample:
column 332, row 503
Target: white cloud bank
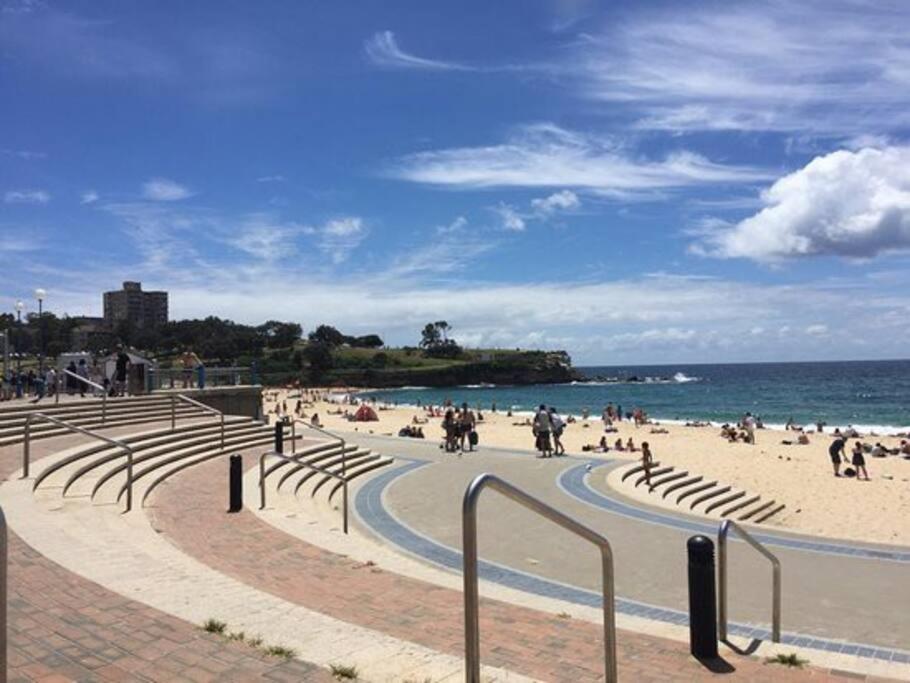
column 853, row 204
column 836, row 67
column 564, row 200
column 545, row 155
column 164, row 190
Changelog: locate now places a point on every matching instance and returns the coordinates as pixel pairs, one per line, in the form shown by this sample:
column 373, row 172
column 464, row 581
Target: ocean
column 870, row 395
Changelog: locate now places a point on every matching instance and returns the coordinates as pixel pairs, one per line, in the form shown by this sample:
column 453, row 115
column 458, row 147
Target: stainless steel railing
column 339, row 439
column 91, row 384
column 26, row 449
column 198, row 404
column 722, row 591
column 297, row 461
column 469, row 549
column 4, row 560
column 170, row 378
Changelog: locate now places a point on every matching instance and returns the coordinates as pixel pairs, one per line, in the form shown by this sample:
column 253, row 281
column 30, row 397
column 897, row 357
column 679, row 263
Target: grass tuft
column 344, row 673
column 214, row 626
column 787, row 660
column 280, row 651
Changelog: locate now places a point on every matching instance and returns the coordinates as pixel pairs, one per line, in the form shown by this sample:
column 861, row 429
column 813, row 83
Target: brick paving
column 62, row 627
column 190, row 513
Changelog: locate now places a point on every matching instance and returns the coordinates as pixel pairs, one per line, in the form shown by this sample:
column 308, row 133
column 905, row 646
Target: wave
column 678, row 378
column 682, row 378
column 482, row 385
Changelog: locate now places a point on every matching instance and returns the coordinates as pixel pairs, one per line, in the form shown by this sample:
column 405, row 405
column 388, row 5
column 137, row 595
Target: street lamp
column 19, row 307
column 40, row 294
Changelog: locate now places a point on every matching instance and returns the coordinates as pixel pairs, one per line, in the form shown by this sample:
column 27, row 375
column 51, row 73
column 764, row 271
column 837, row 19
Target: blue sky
column 634, row 182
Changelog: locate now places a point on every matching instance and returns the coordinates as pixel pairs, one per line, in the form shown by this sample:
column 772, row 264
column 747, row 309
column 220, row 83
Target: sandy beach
column 800, row 476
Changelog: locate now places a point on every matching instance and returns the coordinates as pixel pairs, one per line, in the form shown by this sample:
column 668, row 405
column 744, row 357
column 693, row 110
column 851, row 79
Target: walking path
column 63, row 627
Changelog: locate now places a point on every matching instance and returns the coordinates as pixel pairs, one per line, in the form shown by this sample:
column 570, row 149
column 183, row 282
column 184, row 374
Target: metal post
column 293, row 436
column 344, row 459
column 26, row 446
column 129, row 479
column 722, row 586
column 222, row 432
column 4, row 560
column 236, row 484
column 103, row 406
column 262, row 481
column 344, row 486
column 173, row 412
column 702, row 603
column 279, row 436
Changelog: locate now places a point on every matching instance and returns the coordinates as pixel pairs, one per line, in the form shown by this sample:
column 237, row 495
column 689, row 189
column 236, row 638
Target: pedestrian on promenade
column 82, row 371
column 646, row 461
column 558, row 426
column 542, row 428
column 121, row 368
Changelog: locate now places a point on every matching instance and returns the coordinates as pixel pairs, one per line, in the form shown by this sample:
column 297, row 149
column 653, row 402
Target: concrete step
column 769, row 514
column 684, row 483
column 750, row 512
column 708, row 495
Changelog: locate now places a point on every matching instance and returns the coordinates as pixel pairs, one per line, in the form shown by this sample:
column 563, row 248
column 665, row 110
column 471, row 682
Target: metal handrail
column 90, row 383
column 340, row 439
column 192, row 401
column 304, row 463
column 4, row 561
column 469, row 548
column 26, row 449
column 722, row 532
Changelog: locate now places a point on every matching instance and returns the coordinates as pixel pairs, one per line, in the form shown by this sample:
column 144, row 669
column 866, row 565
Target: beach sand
column 799, row 476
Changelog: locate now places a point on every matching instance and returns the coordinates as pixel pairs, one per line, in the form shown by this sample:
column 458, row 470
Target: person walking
column 646, row 462
column 82, row 371
column 749, row 426
column 121, row 368
column 559, row 426
column 543, row 427
column 468, row 421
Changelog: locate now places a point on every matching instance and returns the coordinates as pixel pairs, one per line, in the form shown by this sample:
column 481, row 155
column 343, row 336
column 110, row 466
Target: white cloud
column 545, row 155
column 278, row 178
column 164, row 190
column 564, row 200
column 89, row 197
column 756, row 66
column 456, row 225
column 817, row 330
column 509, row 217
column 340, row 236
column 262, row 237
column 848, row 204
column 382, row 49
column 24, row 154
column 27, row 197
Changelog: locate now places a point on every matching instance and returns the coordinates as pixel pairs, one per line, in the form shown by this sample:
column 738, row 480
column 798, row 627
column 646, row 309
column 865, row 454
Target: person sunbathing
column 618, row 445
column 630, row 445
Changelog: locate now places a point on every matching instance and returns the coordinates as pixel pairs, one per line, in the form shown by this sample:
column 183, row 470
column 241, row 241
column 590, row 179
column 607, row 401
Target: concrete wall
column 244, row 400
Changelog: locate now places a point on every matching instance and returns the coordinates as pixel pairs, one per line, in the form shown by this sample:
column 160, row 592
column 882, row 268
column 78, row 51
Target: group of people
column 460, row 427
column 548, row 424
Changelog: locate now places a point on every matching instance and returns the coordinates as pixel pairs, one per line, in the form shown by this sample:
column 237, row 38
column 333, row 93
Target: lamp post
column 39, row 295
column 19, row 306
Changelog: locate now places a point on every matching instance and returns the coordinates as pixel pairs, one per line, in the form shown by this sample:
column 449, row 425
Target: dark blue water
column 873, row 394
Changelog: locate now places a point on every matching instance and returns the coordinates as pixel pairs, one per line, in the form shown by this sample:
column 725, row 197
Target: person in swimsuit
column 859, row 461
column 836, row 451
column 646, row 462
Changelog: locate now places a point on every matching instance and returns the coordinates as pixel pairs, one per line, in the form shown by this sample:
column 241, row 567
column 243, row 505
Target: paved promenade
column 96, row 596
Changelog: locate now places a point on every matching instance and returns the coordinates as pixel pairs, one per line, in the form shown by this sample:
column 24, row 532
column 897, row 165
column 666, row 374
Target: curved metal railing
column 339, row 439
column 289, row 458
column 198, row 404
column 26, row 449
column 90, row 383
column 469, row 549
column 722, row 533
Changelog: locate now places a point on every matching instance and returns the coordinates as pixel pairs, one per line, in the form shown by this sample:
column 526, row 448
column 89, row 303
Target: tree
column 430, row 336
column 279, row 335
column 319, row 357
column 369, row 341
column 436, row 343
column 328, row 335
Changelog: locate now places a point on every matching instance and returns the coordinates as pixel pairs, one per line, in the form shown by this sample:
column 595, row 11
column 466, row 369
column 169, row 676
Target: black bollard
column 236, row 484
column 279, row 436
column 702, row 600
